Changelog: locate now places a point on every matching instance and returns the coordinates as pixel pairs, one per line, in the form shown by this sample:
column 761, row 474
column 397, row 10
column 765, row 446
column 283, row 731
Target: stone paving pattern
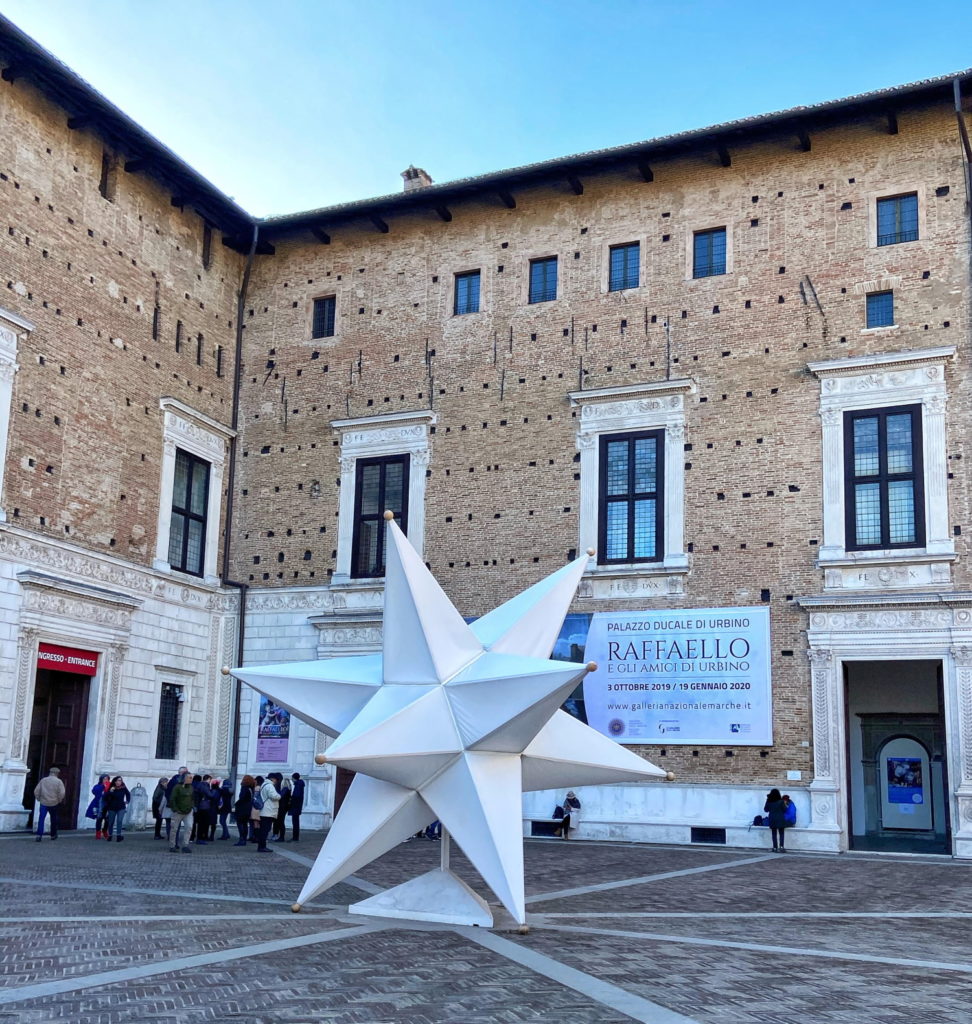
column 225, row 900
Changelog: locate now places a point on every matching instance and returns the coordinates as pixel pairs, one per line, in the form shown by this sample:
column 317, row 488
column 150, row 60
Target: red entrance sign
column 67, row 659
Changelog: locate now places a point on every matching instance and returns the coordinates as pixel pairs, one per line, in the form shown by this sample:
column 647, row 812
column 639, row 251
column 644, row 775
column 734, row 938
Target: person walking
column 215, row 798
column 243, row 808
column 116, row 802
column 49, row 793
column 202, row 805
column 280, row 825
column 270, row 795
column 181, row 803
column 776, row 809
column 158, row 804
column 296, row 804
column 96, row 809
column 571, row 818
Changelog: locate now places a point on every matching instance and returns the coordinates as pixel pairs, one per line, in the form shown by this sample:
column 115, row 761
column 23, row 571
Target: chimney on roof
column 414, row 177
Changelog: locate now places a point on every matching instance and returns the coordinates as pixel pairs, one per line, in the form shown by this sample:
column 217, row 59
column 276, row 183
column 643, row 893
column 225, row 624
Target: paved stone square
column 107, row 932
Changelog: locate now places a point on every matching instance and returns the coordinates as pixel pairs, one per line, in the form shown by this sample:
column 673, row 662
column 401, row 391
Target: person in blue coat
column 296, row 804
column 96, row 809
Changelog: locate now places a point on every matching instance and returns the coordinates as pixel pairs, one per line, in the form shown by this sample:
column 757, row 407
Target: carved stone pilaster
column 114, row 659
column 962, row 660
column 821, row 679
column 23, row 696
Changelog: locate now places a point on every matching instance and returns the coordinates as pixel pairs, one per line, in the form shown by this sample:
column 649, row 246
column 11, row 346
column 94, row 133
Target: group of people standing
column 110, row 798
column 196, row 803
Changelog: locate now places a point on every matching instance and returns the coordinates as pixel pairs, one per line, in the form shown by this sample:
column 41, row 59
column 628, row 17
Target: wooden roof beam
column 506, row 198
column 444, row 213
column 803, row 138
column 724, row 158
column 644, row 169
column 381, row 225
column 576, row 185
column 892, row 118
column 321, row 235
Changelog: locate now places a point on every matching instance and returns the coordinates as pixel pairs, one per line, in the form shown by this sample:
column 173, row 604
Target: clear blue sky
column 296, row 104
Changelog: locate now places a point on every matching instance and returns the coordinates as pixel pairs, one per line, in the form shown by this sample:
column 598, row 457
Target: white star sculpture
column 451, row 721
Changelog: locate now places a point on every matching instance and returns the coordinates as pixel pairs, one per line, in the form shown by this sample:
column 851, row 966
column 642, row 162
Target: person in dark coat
column 202, row 805
column 296, row 804
column 244, row 808
column 216, row 797
column 225, row 806
column 157, row 798
column 117, row 800
column 776, row 809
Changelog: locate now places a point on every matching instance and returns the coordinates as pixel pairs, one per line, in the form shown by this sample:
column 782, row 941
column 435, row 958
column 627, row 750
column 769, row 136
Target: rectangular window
column 880, row 309
column 380, row 484
column 156, row 322
column 625, row 269
column 897, row 219
column 207, row 246
column 884, row 479
column 219, row 360
column 178, row 342
column 324, row 310
column 199, row 349
column 190, row 497
column 170, row 714
column 543, row 279
column 709, row 253
column 631, row 504
column 467, row 293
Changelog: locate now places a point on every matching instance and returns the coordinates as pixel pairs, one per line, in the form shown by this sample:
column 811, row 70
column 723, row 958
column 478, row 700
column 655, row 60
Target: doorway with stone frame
column 897, row 765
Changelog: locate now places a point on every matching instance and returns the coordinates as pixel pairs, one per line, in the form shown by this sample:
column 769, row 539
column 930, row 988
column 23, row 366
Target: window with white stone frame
column 885, row 476
column 632, row 477
column 11, row 329
column 383, row 465
column 193, row 450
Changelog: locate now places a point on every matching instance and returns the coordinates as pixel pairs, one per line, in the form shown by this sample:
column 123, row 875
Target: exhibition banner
column 273, row 731
column 698, row 676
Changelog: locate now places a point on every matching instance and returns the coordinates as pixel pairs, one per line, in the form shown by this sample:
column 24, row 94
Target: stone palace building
column 734, row 361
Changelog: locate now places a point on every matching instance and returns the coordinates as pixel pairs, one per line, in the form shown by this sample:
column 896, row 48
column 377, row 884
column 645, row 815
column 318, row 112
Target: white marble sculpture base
column 437, row 895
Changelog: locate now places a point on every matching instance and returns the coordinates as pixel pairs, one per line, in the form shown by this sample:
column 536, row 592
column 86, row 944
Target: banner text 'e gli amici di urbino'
column 699, row 676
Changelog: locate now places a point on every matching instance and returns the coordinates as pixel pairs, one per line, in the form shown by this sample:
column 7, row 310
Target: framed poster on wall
column 694, row 676
column 273, row 731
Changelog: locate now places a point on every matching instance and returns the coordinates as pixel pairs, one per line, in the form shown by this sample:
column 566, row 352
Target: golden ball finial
column 591, row 666
column 225, row 670
column 295, row 907
column 389, row 515
column 591, row 552
column 669, row 776
column 320, row 759
column 524, row 929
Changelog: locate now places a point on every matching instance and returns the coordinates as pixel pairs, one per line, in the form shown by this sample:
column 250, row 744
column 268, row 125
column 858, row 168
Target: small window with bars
column 880, row 309
column 187, row 529
column 207, row 246
column 897, row 219
column 324, row 313
column 543, row 279
column 885, row 505
column 624, row 269
column 631, row 505
column 467, row 293
column 709, row 253
column 380, row 484
column 170, row 717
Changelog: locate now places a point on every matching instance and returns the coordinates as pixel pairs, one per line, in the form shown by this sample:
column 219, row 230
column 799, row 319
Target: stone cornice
column 683, row 385
column 954, row 599
column 168, row 404
column 392, row 419
column 16, row 321
column 32, row 578
column 888, row 360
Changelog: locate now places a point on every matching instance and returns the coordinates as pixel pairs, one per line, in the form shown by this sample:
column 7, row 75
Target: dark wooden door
column 57, row 736
column 342, row 783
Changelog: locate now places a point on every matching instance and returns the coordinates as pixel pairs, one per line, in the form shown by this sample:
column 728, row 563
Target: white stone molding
column 229, row 625
column 12, row 328
column 822, row 685
column 874, row 382
column 200, row 435
column 962, row 662
column 26, row 669
column 652, row 406
column 345, row 633
column 405, row 433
